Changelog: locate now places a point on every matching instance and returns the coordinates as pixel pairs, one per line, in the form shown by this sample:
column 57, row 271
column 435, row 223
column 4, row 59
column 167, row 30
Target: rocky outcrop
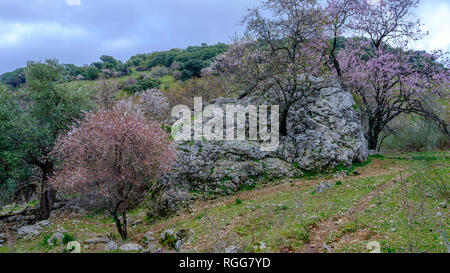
column 227, row 167
column 323, row 131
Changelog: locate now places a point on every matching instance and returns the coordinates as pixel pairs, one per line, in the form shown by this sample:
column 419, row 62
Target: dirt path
column 373, row 169
column 376, row 168
column 320, row 232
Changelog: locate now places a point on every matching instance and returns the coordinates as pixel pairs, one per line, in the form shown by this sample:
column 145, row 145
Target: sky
column 80, row 31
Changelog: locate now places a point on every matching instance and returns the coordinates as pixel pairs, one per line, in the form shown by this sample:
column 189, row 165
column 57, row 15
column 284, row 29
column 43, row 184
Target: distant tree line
column 108, row 66
column 183, row 64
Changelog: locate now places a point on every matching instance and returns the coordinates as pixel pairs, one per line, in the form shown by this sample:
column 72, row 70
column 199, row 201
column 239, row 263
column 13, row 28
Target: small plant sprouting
column 44, row 241
column 67, row 238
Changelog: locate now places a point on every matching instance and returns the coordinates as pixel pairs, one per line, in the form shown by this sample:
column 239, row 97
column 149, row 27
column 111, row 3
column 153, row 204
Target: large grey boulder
column 222, row 167
column 323, row 131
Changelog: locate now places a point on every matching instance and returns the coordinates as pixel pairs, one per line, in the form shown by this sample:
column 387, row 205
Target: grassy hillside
column 397, row 200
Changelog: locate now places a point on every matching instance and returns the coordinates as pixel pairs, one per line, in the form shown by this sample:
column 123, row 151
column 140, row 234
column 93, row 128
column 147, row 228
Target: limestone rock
column 56, row 238
column 323, row 131
column 97, row 240
column 149, row 237
column 73, row 247
column 167, row 233
column 323, row 186
column 174, row 239
column 2, row 238
column 232, row 249
column 111, row 246
column 29, row 231
column 152, row 248
column 131, row 247
column 44, row 223
column 178, row 244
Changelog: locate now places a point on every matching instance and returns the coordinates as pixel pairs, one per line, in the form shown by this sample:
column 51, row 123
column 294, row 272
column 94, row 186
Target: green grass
column 405, row 220
column 16, row 207
column 401, row 220
column 283, row 220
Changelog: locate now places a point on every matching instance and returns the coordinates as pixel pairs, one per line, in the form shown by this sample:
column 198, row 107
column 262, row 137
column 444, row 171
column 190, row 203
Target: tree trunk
column 47, row 194
column 283, row 122
column 121, row 226
column 124, row 222
column 373, row 143
column 118, row 225
column 373, row 139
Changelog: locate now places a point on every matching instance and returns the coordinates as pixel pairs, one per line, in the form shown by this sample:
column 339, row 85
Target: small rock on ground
column 131, row 247
column 111, row 246
column 74, row 247
column 97, row 240
column 323, row 186
column 232, row 249
column 55, row 238
column 29, row 231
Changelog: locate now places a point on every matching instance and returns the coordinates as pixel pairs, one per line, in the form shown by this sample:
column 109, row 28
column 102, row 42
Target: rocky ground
column 398, row 202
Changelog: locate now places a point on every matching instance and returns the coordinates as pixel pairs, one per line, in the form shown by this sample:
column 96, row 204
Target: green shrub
column 169, row 240
column 44, row 240
column 301, row 234
column 414, row 134
column 141, row 85
column 67, row 238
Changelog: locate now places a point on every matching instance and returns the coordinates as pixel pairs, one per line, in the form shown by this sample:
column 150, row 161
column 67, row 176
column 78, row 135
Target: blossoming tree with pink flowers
column 376, row 65
column 115, row 154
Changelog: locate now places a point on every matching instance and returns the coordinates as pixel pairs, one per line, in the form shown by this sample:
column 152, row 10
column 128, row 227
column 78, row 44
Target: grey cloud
column 40, row 29
column 115, row 27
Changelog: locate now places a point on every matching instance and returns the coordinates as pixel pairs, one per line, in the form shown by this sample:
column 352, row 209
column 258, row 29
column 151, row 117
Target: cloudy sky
column 80, row 31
